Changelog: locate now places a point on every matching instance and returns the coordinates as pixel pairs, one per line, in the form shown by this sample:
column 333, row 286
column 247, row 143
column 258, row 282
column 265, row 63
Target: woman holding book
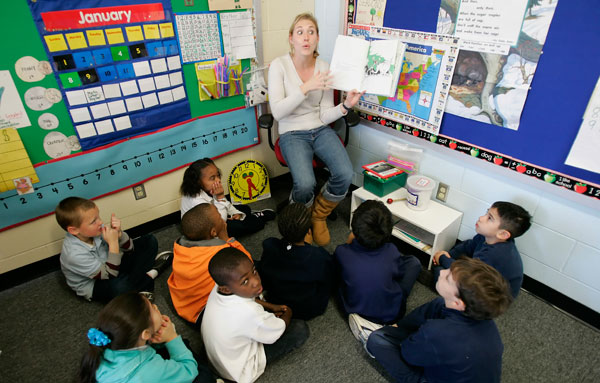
column 302, row 102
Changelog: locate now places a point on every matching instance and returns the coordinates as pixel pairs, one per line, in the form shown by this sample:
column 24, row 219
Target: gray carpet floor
column 43, row 329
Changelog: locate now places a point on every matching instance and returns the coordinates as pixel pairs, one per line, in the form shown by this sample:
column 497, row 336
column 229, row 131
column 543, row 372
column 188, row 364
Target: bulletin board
column 566, row 74
column 189, row 130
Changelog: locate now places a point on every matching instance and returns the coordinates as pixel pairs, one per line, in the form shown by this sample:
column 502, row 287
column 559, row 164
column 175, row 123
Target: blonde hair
column 304, row 16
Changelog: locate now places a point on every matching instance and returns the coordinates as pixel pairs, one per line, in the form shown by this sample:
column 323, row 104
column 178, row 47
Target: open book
column 372, row 66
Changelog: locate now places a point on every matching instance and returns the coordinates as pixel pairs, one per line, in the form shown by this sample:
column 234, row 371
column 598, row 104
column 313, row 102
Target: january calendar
column 117, row 64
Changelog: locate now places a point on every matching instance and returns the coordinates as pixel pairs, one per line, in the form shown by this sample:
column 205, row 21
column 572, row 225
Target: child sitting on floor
column 204, row 234
column 494, row 243
column 101, row 261
column 376, row 278
column 240, row 335
column 293, row 271
column 452, row 338
column 120, row 346
column 202, row 184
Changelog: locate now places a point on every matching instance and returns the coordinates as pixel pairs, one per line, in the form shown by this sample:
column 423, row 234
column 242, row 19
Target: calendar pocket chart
column 118, row 66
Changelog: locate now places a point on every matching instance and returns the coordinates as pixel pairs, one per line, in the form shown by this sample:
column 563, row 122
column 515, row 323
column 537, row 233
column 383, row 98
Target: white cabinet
column 430, row 230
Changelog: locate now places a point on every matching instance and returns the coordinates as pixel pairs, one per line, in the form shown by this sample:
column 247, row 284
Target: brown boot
column 308, row 237
column 320, row 210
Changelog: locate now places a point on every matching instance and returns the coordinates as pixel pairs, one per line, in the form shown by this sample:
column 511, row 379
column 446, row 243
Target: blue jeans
column 385, row 345
column 298, row 148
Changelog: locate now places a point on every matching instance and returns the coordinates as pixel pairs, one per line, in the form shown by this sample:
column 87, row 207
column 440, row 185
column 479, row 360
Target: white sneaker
column 362, row 329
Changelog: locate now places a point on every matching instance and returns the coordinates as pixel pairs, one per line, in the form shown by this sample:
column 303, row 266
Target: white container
column 419, row 191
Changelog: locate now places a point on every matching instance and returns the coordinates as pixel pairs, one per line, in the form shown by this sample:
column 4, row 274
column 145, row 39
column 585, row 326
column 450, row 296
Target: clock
column 249, row 182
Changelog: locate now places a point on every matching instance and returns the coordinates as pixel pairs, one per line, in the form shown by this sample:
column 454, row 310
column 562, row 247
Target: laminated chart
column 14, row 160
column 198, row 35
column 118, row 66
column 424, row 81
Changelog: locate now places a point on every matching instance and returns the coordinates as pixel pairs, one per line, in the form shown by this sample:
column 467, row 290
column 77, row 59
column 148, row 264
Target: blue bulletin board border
column 540, row 146
column 121, row 165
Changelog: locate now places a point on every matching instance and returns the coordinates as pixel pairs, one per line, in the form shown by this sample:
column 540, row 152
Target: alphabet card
column 113, row 60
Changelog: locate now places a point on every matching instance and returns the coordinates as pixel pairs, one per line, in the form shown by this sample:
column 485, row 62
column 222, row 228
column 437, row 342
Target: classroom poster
column 494, row 70
column 584, row 153
column 117, row 64
column 14, row 161
column 424, row 80
column 370, row 12
column 12, row 111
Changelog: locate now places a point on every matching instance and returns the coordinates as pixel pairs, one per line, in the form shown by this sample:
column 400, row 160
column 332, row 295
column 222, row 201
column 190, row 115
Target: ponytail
column 119, row 326
column 89, row 364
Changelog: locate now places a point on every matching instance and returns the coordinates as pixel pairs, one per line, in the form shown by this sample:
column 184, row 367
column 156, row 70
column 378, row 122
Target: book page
column 348, row 63
column 381, row 67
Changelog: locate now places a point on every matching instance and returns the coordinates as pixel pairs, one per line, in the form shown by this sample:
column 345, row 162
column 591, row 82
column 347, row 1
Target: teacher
column 302, row 102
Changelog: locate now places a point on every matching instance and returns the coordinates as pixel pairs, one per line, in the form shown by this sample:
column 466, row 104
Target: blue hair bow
column 97, row 337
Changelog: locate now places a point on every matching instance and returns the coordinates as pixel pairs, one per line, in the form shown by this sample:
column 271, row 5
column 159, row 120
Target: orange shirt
column 190, row 283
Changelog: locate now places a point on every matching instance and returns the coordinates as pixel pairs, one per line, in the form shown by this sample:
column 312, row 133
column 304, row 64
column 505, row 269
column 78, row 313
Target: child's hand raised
column 115, row 223
column 111, row 236
column 217, row 189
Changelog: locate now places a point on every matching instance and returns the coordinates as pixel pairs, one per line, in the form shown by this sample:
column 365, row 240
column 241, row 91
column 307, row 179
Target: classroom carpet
column 43, row 328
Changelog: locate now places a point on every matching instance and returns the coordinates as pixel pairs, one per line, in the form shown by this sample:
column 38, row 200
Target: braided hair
column 294, row 222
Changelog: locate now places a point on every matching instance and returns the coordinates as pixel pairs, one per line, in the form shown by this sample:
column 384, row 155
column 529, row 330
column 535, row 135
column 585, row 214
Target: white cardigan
column 290, row 107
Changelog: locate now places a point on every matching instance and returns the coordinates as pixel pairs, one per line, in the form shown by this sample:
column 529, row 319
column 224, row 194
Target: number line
column 144, row 155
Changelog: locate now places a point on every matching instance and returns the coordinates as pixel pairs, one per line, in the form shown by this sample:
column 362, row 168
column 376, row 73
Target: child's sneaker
column 265, row 214
column 362, row 328
column 163, row 261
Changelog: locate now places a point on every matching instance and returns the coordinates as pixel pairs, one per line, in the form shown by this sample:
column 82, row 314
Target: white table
column 430, row 230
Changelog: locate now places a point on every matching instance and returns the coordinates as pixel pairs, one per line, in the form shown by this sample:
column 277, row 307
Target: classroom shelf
column 430, row 230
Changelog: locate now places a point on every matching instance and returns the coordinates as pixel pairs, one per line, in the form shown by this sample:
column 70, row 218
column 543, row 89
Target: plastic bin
column 381, row 187
column 419, row 191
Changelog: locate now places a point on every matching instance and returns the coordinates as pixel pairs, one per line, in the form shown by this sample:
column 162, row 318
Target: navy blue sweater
column 502, row 256
column 370, row 280
column 450, row 346
column 300, row 277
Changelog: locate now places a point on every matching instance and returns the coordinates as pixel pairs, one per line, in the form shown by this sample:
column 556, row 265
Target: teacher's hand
column 319, row 81
column 352, row 98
